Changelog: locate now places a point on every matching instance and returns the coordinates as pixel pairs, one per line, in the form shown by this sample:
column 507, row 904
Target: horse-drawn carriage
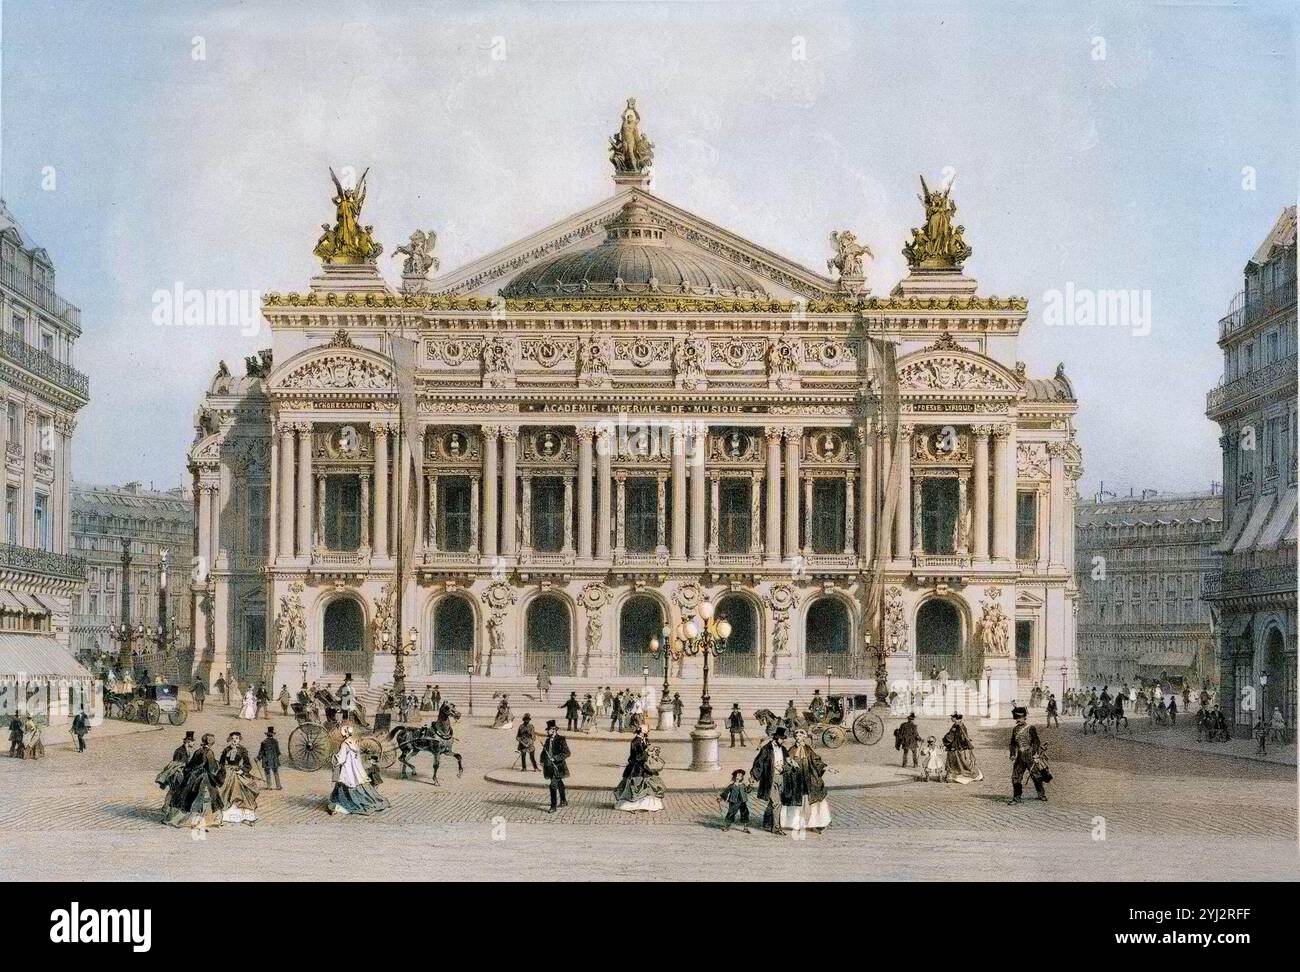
column 844, row 715
column 316, row 739
column 147, row 703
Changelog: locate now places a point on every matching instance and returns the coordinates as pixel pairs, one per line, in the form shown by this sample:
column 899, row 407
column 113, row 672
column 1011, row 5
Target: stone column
column 980, row 514
column 916, row 516
column 320, row 510
column 526, row 517
column 568, row 514
column 715, row 482
column 432, row 514
column 661, row 515
column 807, row 513
column 755, row 514
column 604, row 446
column 285, row 487
column 273, row 511
column 491, row 447
column 205, row 530
column 1042, row 514
column 214, row 531
column 866, row 492
column 365, row 512
column 381, row 489
column 1058, row 520
column 699, row 473
column 849, row 515
column 679, row 495
column 305, row 484
column 510, row 492
column 474, row 505
column 620, row 515
column 418, row 486
column 586, row 436
column 772, row 514
column 791, row 511
column 903, row 517
column 963, row 541
column 885, row 528
column 1004, row 494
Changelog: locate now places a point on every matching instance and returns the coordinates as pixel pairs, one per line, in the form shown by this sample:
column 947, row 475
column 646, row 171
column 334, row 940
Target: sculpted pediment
column 207, row 450
column 954, row 369
column 334, row 369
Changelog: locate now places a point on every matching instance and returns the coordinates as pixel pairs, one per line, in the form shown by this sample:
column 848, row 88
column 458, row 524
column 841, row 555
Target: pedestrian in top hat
column 284, row 698
column 80, row 726
column 268, row 755
column 572, row 710
column 907, row 738
column 199, row 692
column 768, row 765
column 1026, row 753
column 588, row 714
column 222, row 686
column 736, row 725
column 555, row 764
column 183, row 752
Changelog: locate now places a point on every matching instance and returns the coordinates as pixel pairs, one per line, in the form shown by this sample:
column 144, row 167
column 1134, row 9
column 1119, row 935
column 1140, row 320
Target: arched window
column 548, row 636
column 827, row 635
column 343, row 642
column 938, row 639
column 741, row 654
column 453, row 634
column 640, row 619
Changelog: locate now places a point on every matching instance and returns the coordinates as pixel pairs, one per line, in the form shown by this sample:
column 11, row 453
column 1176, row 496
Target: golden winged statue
column 347, row 241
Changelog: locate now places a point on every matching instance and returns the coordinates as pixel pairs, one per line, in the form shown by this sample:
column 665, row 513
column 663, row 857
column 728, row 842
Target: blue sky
column 1122, row 172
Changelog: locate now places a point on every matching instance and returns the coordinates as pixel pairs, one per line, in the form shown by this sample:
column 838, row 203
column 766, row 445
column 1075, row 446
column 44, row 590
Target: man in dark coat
column 767, row 764
column 572, row 710
column 526, row 742
column 199, row 692
column 222, row 686
column 616, row 712
column 268, row 755
column 908, row 738
column 736, row 724
column 1024, row 750
column 16, row 736
column 555, row 763
column 263, row 700
column 80, row 726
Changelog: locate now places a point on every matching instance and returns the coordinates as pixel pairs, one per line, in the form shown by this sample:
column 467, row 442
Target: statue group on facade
column 848, row 255
column 347, row 241
column 629, row 149
column 938, row 245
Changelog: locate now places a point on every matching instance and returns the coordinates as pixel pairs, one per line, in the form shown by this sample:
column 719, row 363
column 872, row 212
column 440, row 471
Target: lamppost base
column 704, row 750
column 666, row 721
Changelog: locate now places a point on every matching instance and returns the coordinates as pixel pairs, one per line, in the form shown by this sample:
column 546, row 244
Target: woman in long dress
column 197, row 802
column 352, row 791
column 961, row 765
column 237, row 790
column 641, row 788
column 504, row 719
column 249, row 710
column 803, row 791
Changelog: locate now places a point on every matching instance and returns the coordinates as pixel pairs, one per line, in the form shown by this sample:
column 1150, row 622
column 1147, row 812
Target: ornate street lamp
column 1064, row 671
column 705, row 635
column 662, row 646
column 400, row 651
column 470, row 670
column 829, row 673
column 126, row 636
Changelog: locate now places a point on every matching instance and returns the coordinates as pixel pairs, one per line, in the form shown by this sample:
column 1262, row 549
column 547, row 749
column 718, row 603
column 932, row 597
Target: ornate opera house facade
column 621, row 416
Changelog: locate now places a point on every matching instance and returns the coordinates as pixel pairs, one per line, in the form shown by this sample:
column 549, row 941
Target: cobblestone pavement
column 1116, row 811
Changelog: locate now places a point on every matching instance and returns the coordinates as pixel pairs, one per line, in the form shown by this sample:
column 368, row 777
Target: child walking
column 736, row 800
column 933, row 762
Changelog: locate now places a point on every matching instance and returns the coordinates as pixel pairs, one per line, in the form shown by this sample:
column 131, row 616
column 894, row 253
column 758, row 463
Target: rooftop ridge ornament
column 419, row 262
column 938, row 245
column 347, row 243
column 629, row 150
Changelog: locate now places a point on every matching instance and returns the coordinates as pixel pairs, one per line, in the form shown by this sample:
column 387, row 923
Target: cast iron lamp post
column 663, row 644
column 400, row 651
column 705, row 635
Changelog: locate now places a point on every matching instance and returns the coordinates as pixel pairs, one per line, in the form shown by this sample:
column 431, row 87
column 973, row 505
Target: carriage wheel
column 388, row 756
column 117, row 709
column 833, row 737
column 152, row 713
column 370, row 746
column 309, row 747
column 868, row 729
column 178, row 715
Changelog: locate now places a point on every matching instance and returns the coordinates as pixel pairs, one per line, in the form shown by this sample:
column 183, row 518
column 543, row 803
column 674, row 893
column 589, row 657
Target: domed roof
column 637, row 257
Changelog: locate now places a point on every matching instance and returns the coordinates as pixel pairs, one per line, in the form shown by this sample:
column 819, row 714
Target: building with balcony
column 40, row 395
column 1254, row 593
column 153, row 523
column 1143, row 563
column 620, row 416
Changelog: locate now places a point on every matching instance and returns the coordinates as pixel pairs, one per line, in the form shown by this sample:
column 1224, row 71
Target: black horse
column 437, row 740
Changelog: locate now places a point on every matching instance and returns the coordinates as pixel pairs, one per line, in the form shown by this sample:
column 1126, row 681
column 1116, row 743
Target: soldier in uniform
column 1025, row 752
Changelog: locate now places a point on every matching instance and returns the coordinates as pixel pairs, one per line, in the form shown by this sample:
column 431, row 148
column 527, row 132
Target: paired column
column 980, row 514
column 866, row 492
column 509, row 492
column 586, row 439
column 661, row 515
column 1059, row 518
column 285, row 489
column 365, row 512
column 418, row 486
column 491, row 438
column 604, row 447
column 273, row 512
column 699, row 470
column 381, row 489
column 903, row 514
column 772, row 515
column 679, row 495
column 792, row 442
column 1004, row 493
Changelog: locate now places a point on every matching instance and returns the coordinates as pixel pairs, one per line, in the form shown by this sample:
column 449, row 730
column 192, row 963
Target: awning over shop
column 1259, row 514
column 37, row 656
column 19, row 602
column 1240, row 514
column 1283, row 518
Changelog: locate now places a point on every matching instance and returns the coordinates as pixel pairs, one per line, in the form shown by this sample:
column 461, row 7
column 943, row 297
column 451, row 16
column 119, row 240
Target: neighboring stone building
column 152, row 522
column 620, row 416
column 1142, row 564
column 40, row 394
column 1255, row 593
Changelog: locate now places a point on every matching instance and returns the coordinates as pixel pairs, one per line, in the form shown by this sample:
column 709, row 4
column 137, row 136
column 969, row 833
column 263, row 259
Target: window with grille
column 641, row 515
column 734, row 515
column 342, row 512
column 939, row 516
column 548, row 515
column 1026, row 526
column 828, row 516
column 454, row 512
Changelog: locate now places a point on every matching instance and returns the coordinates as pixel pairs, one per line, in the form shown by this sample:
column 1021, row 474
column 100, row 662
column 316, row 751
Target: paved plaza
column 1118, row 810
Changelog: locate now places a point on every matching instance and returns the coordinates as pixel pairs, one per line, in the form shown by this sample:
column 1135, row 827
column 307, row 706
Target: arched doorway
column 938, row 639
column 548, row 636
column 343, row 639
column 640, row 619
column 1279, row 690
column 741, row 655
column 454, row 635
column 827, row 635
